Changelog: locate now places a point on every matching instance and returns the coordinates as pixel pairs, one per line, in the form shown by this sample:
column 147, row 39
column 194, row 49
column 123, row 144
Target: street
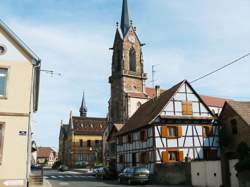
column 75, row 179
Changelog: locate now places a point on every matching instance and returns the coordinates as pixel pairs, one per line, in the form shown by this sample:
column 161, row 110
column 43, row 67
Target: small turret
column 83, row 109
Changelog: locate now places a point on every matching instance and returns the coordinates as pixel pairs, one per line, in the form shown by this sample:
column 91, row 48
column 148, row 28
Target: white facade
column 17, row 103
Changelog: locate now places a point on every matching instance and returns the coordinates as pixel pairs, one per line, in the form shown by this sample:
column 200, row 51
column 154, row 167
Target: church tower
column 127, row 67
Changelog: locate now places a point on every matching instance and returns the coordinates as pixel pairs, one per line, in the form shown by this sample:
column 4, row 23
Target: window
column 207, row 131
column 174, row 155
column 97, row 142
column 234, row 126
column 171, row 131
column 80, row 157
column 81, row 143
column 121, row 159
column 2, row 49
column 129, row 138
column 187, row 108
column 143, row 135
column 132, row 60
column 1, row 141
column 3, row 81
column 89, row 143
column 144, row 157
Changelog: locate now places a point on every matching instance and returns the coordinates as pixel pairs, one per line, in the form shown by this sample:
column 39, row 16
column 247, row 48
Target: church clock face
column 131, row 39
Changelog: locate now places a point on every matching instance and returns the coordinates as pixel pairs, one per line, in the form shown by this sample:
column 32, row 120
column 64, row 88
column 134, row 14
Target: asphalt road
column 76, row 179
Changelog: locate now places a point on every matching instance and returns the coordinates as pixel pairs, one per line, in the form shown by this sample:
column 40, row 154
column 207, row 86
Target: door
column 233, row 178
column 133, row 159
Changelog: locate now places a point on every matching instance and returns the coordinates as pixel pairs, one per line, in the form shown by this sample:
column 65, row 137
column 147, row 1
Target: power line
column 212, row 72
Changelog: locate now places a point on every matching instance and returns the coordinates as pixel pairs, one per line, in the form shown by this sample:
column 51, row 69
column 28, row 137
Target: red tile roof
column 44, row 152
column 208, row 100
column 213, row 101
column 89, row 125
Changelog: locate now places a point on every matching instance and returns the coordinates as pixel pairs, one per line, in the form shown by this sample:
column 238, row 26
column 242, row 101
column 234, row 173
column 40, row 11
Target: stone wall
column 172, row 173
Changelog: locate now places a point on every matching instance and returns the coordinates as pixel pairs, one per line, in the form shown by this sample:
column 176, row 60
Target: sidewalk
column 45, row 184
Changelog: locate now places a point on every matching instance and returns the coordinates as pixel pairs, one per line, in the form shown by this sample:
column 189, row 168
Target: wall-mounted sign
column 22, row 133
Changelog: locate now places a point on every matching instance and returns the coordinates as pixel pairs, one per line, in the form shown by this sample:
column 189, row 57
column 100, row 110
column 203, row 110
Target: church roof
column 89, row 125
column 125, row 20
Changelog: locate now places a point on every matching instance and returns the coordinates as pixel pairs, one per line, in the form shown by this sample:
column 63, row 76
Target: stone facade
column 126, row 77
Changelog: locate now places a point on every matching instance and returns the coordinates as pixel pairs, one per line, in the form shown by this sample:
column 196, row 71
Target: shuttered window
column 172, row 156
column 121, row 159
column 171, row 131
column 187, row 108
column 1, row 141
column 143, row 135
column 144, row 157
column 129, row 138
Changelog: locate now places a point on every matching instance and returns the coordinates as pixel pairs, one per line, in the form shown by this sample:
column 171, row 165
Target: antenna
column 51, row 72
column 153, row 74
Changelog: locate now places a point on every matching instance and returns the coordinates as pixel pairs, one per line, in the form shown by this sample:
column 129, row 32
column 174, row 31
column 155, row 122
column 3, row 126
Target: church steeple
column 83, row 109
column 125, row 20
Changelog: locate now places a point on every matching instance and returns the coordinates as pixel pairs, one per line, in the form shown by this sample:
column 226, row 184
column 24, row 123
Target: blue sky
column 186, row 38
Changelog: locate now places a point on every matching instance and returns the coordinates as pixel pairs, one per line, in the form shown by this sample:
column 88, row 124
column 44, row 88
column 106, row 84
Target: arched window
column 132, row 59
column 234, row 126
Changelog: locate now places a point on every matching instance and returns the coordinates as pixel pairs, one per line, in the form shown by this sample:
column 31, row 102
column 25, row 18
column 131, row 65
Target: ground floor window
column 174, row 155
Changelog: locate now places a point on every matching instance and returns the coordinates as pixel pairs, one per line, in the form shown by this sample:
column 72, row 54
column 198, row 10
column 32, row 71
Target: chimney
column 157, row 91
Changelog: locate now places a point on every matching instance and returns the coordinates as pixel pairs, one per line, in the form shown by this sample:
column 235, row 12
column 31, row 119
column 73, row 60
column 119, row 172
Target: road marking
column 63, row 184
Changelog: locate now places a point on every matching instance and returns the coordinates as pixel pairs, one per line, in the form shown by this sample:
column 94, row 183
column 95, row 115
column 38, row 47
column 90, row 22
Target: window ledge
column 3, row 97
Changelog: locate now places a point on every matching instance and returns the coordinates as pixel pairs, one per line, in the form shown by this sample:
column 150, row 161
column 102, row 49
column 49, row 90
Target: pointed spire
column 125, row 20
column 83, row 109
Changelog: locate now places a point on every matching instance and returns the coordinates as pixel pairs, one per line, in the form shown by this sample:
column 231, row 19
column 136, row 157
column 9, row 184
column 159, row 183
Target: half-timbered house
column 176, row 125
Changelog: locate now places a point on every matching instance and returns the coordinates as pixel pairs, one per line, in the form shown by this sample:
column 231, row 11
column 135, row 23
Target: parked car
column 63, row 168
column 134, row 175
column 104, row 173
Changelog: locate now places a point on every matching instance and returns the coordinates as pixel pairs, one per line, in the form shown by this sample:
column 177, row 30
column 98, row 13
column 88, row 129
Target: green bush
column 243, row 152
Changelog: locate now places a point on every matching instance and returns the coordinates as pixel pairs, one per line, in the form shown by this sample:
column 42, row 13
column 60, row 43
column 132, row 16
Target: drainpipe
column 28, row 161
